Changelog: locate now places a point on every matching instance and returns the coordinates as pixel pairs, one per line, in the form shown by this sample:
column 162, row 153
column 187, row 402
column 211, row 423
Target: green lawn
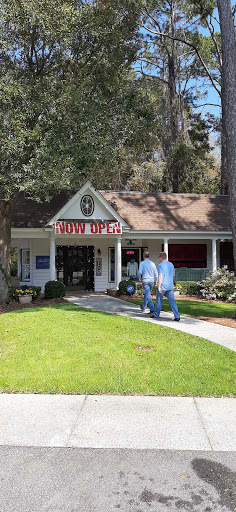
column 197, row 308
column 65, row 349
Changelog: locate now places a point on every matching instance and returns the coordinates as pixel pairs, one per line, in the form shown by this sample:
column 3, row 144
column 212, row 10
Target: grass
column 197, row 308
column 66, row 349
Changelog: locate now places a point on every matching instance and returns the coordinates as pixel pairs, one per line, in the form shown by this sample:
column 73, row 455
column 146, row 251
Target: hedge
column 54, row 289
column 187, row 287
column 123, row 288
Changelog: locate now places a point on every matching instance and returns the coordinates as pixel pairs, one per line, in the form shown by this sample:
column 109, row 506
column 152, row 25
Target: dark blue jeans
column 147, row 300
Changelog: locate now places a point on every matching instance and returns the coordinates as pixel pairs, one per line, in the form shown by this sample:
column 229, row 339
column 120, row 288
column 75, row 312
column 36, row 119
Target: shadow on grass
column 67, row 307
column 197, row 308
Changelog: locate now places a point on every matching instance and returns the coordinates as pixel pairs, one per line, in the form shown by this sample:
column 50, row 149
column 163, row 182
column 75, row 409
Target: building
column 87, row 238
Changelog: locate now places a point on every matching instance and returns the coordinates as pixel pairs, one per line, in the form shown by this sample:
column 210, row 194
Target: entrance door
column 75, row 266
column 226, row 255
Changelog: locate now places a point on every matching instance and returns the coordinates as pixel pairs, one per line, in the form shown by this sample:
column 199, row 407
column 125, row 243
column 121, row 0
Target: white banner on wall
column 82, row 228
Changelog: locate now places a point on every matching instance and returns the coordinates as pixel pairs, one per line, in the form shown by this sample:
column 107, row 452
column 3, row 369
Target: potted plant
column 25, row 296
column 177, row 290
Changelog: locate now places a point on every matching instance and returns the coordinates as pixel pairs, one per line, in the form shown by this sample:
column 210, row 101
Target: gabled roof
column 140, row 211
column 171, row 212
column 72, row 207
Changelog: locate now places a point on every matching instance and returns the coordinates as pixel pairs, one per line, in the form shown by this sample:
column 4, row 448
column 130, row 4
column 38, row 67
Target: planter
column 25, row 299
column 176, row 293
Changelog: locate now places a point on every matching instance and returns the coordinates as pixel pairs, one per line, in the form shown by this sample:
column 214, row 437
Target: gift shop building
column 91, row 239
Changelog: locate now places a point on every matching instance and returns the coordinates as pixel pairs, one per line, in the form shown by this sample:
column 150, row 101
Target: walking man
column 166, row 274
column 148, row 275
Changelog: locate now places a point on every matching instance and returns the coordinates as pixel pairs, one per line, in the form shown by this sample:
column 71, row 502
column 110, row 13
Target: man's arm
column 159, row 282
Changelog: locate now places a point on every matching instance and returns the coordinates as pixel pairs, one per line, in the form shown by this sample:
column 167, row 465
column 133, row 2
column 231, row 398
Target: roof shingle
column 141, row 211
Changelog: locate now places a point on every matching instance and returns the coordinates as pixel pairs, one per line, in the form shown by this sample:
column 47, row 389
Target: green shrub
column 54, row 289
column 220, row 285
column 13, row 291
column 14, row 260
column 138, row 289
column 123, row 287
column 187, row 287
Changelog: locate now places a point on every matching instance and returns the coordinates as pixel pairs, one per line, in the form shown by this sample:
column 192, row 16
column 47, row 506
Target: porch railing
column 189, row 274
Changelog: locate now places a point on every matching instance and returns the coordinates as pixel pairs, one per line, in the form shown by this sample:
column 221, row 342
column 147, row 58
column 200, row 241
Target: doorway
column 75, row 267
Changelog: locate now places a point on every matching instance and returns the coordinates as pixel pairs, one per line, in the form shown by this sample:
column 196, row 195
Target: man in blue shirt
column 166, row 274
column 147, row 273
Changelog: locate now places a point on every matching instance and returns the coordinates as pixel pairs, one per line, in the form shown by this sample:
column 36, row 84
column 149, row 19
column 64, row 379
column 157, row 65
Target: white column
column 214, row 255
column 166, row 247
column 118, row 262
column 31, row 262
column 52, row 259
column 19, row 263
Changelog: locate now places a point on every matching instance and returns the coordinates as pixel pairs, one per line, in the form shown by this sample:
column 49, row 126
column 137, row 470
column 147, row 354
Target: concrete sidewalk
column 128, row 422
column 225, row 336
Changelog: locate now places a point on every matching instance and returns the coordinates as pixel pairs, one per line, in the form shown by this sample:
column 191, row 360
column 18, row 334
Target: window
column 87, row 206
column 25, row 265
column 130, row 255
column 111, row 266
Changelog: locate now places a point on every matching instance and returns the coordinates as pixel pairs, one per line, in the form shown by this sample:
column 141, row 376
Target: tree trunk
column 229, row 103
column 173, row 98
column 223, row 178
column 5, row 244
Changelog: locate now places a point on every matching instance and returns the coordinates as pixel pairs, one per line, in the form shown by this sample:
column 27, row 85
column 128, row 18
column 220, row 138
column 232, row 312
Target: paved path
column 111, row 480
column 118, row 422
column 225, row 336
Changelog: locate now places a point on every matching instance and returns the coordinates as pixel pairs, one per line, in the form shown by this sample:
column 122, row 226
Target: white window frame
column 109, row 264
column 25, row 262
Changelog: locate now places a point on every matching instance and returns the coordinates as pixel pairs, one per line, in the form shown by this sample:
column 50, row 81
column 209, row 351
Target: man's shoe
column 142, row 310
column 176, row 319
column 151, row 314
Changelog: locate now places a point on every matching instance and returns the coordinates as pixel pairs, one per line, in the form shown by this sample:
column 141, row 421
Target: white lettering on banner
column 78, row 228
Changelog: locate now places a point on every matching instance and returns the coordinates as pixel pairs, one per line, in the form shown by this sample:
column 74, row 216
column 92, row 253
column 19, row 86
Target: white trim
column 118, row 266
column 52, row 249
column 29, row 233
column 214, row 255
column 133, row 233
column 86, row 186
column 31, row 262
column 166, row 240
column 175, row 235
column 126, row 233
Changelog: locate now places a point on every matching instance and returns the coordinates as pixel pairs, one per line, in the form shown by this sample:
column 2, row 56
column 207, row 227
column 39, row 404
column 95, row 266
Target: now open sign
column 82, row 228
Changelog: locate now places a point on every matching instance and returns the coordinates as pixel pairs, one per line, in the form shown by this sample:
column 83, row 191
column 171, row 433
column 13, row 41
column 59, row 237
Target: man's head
column 146, row 255
column 162, row 256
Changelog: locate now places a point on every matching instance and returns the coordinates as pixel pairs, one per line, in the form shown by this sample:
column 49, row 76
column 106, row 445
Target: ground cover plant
column 197, row 308
column 66, row 349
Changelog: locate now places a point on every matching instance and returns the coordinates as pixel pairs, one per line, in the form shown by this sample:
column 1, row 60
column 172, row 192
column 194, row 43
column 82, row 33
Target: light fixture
column 99, row 252
column 130, row 241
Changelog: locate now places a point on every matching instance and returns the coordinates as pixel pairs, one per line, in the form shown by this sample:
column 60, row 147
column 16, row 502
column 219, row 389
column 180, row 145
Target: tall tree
column 229, row 101
column 59, row 60
column 170, row 56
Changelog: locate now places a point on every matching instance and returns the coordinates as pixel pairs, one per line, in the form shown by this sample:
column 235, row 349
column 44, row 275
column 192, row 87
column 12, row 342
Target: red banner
column 82, row 228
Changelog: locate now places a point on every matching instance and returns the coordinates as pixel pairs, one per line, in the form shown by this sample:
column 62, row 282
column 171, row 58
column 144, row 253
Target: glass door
column 75, row 266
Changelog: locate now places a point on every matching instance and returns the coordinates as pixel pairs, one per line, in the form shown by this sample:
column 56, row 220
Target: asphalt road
column 105, row 480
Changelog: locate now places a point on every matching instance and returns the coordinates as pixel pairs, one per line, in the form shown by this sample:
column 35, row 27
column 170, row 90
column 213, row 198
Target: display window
column 131, row 258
